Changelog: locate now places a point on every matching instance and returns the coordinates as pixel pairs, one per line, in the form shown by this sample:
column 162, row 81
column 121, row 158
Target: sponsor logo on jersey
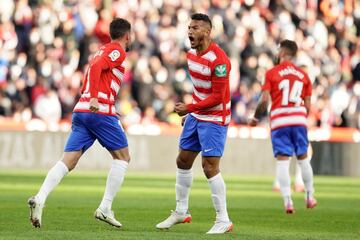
column 115, row 54
column 220, row 70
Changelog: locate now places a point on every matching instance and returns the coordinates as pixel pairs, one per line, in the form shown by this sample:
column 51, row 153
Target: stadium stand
column 44, row 47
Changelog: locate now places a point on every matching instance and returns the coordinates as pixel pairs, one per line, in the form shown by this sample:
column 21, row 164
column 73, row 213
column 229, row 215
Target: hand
column 94, row 105
column 181, row 109
column 253, row 122
column 183, row 121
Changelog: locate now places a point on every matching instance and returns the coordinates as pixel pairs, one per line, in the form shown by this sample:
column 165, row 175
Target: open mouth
column 191, row 39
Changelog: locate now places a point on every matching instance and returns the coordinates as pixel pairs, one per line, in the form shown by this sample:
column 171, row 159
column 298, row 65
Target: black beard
column 200, row 41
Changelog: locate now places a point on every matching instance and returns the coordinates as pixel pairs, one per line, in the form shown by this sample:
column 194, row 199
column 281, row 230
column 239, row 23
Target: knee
column 70, row 159
column 182, row 163
column 210, row 170
column 302, row 157
column 70, row 164
column 122, row 154
column 125, row 158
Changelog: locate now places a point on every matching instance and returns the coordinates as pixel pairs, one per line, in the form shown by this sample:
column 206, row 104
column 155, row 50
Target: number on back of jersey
column 291, row 95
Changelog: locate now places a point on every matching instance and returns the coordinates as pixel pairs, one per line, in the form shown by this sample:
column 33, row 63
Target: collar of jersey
column 206, row 50
column 287, row 62
column 118, row 44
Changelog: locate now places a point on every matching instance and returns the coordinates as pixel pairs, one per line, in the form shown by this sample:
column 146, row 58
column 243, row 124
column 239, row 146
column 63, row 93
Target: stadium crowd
column 45, row 46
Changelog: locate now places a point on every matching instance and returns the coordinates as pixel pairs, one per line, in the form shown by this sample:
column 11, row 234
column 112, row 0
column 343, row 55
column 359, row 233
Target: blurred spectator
column 47, row 107
column 45, row 47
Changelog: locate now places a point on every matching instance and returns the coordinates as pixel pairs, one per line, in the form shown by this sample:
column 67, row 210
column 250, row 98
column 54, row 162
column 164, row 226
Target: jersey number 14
column 292, row 95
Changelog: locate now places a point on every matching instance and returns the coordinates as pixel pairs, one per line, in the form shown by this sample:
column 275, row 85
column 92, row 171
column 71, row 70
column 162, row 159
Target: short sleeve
column 308, row 87
column 267, row 82
column 114, row 57
column 221, row 70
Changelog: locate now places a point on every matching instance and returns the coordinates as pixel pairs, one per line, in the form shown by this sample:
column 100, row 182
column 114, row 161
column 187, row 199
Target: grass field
column 145, row 200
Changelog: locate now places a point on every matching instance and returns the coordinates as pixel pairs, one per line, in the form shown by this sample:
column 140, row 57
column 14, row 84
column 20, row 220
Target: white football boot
column 174, row 218
column 107, row 217
column 35, row 212
column 221, row 227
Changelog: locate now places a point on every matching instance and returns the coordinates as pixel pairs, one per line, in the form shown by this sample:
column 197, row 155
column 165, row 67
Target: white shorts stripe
column 212, row 118
column 287, row 110
column 103, row 107
column 218, row 107
column 289, row 120
column 100, row 95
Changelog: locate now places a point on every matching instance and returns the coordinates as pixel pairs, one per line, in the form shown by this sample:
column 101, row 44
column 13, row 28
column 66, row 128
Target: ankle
column 288, row 201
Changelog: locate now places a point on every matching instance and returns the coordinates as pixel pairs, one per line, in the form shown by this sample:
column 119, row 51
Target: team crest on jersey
column 220, row 70
column 115, row 54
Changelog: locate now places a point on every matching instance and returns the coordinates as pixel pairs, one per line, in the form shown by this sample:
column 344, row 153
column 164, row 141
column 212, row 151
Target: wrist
column 190, row 107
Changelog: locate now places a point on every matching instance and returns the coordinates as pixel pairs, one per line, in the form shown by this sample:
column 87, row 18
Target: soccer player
column 289, row 89
column 205, row 126
column 299, row 183
column 94, row 117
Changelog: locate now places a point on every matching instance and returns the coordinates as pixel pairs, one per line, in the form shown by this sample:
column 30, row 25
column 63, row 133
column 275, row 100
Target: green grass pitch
column 144, row 200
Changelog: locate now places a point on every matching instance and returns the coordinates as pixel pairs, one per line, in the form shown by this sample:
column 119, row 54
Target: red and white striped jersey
column 209, row 73
column 288, row 86
column 103, row 79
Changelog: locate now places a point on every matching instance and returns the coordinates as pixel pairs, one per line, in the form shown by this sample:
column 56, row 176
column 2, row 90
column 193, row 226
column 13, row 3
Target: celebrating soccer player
column 205, row 126
column 289, row 89
column 94, row 117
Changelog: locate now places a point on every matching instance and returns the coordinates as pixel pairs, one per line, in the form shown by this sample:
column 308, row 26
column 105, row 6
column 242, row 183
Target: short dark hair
column 290, row 47
column 119, row 27
column 201, row 17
